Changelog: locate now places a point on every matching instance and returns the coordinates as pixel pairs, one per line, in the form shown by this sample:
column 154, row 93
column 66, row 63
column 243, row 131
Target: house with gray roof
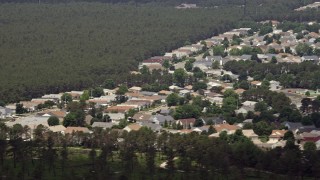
column 154, row 127
column 161, row 119
column 296, row 126
column 314, row 59
column 104, row 125
column 116, row 117
column 246, row 57
column 164, row 112
column 148, row 93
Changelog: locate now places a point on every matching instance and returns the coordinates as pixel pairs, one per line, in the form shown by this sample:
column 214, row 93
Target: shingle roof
column 70, row 130
column 103, row 124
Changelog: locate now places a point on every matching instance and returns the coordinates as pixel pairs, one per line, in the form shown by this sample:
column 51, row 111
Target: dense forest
column 108, row 154
column 49, row 48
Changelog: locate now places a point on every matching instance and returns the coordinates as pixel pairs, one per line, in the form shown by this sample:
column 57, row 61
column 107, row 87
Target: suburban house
column 249, row 133
column 152, row 126
column 161, row 119
column 5, row 112
column 309, row 137
column 119, row 109
column 314, row 59
column 295, row 127
column 182, row 53
column 186, row 122
column 103, row 100
column 132, row 127
column 58, row 129
column 230, row 129
column 54, row 97
column 116, row 117
column 203, row 64
column 141, row 117
column 249, row 104
column 70, row 130
column 201, row 129
column 30, row 106
column 255, row 83
column 164, row 112
column 103, row 125
column 31, row 121
column 59, row 114
column 276, row 136
column 217, row 100
column 275, row 85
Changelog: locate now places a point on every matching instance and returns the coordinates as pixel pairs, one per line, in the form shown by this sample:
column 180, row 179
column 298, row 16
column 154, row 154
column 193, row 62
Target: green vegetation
column 139, row 154
column 59, row 47
column 303, row 75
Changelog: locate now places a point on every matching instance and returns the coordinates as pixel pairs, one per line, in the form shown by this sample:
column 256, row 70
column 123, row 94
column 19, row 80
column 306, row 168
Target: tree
column 306, row 121
column 215, row 65
column 226, row 78
column 2, row 103
column 66, row 98
column 229, row 104
column 64, row 155
column 303, row 49
column 225, row 43
column 274, row 60
column 218, row 50
column 261, row 106
column 235, row 52
column 288, row 136
column 265, row 30
column 187, row 111
column 166, row 64
column 198, row 73
column 109, row 84
column 307, row 93
column 75, row 118
column 180, row 76
column 144, row 70
column 172, row 99
column 20, row 109
column 188, row 66
column 198, row 123
column 97, row 92
column 92, row 157
column 48, row 104
column 265, row 84
column 122, row 90
column 85, row 95
column 3, row 142
column 53, row 121
column 299, row 36
column 309, row 146
column 211, row 130
column 199, row 85
column 262, row 128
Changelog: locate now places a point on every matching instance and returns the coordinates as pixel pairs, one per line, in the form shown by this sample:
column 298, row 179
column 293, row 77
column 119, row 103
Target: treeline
column 138, row 155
